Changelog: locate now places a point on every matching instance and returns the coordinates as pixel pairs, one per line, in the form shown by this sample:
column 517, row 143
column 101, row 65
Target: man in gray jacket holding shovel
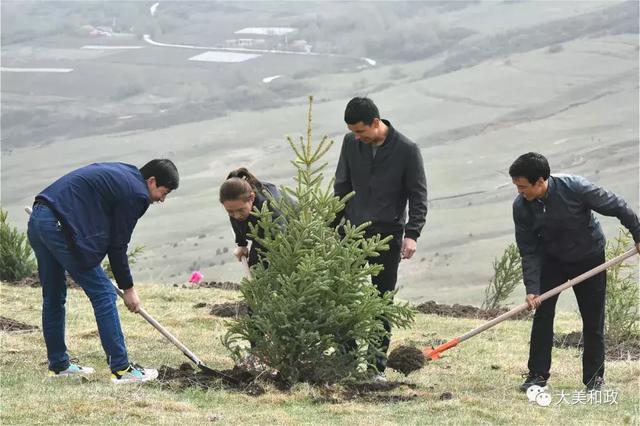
column 559, row 238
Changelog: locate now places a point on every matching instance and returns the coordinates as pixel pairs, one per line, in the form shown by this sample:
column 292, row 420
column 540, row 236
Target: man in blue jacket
column 386, row 171
column 76, row 221
column 559, row 238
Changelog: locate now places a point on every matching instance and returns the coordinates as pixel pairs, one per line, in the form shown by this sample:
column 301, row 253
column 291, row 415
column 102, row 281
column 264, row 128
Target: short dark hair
column 361, row 109
column 531, row 166
column 164, row 171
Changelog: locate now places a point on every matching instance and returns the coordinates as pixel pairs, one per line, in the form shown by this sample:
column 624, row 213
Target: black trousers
column 385, row 281
column 590, row 295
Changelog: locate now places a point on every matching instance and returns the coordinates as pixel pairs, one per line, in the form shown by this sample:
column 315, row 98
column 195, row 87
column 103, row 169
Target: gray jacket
column 562, row 225
column 383, row 184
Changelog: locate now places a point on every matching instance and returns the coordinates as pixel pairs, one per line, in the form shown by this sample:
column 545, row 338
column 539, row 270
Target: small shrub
column 16, row 260
column 316, row 316
column 622, row 309
column 507, row 274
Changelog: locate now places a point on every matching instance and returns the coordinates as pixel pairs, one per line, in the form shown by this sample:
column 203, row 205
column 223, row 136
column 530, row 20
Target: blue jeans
column 54, row 258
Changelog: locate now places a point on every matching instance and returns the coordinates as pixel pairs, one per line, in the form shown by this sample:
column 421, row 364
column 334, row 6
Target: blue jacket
column 562, row 225
column 98, row 207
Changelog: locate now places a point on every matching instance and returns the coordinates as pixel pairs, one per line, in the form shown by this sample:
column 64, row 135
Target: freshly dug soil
column 406, row 359
column 466, row 311
column 221, row 285
column 185, row 376
column 33, row 281
column 624, row 351
column 231, row 309
column 250, row 383
column 446, row 396
column 12, row 326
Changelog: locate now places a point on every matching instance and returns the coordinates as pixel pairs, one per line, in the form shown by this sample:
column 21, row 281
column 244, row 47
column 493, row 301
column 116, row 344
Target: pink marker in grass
column 196, row 277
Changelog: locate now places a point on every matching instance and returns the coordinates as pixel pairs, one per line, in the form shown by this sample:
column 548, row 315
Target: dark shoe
column 595, row 385
column 533, row 379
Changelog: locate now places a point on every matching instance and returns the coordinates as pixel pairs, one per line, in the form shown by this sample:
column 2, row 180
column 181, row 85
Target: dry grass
column 482, row 374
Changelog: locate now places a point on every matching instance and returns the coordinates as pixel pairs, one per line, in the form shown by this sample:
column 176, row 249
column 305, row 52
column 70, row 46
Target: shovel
column 170, row 337
column 434, row 353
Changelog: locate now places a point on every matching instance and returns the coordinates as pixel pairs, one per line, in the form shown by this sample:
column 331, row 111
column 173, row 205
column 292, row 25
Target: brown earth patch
column 466, row 311
column 406, row 359
column 12, row 326
column 625, row 351
column 33, row 281
column 220, row 285
column 253, row 383
column 230, row 309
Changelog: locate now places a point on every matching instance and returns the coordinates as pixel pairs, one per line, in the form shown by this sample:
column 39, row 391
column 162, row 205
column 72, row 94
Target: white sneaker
column 379, row 378
column 72, row 371
column 134, row 374
column 251, row 362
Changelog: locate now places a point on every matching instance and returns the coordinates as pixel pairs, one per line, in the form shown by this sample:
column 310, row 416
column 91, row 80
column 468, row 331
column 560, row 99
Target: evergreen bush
column 507, row 275
column 622, row 309
column 316, row 315
column 16, row 256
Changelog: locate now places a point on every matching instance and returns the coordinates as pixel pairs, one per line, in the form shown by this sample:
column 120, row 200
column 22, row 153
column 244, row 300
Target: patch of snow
column 270, row 79
column 223, row 57
column 266, row 30
column 55, row 70
column 100, row 47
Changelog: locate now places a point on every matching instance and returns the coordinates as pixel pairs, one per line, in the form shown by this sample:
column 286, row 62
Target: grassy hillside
column 482, row 375
column 557, row 78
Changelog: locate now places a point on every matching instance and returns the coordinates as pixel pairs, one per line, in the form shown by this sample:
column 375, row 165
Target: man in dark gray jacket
column 385, row 170
column 559, row 238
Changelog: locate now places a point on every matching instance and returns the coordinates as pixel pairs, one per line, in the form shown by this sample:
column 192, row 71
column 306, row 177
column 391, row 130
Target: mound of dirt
column 229, row 310
column 185, row 376
column 33, row 281
column 12, row 326
column 406, row 359
column 629, row 350
column 252, row 383
column 466, row 311
column 220, row 285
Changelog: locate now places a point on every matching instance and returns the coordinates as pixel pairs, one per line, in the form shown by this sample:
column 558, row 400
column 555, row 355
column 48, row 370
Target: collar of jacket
column 551, row 187
column 146, row 186
column 391, row 134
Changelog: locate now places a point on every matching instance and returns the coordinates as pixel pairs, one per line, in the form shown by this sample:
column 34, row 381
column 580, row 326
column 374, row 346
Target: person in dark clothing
column 559, row 238
column 386, row 171
column 239, row 194
column 83, row 216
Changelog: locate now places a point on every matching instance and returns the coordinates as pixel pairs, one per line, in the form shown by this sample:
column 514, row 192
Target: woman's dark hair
column 531, row 166
column 164, row 171
column 239, row 185
column 361, row 109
